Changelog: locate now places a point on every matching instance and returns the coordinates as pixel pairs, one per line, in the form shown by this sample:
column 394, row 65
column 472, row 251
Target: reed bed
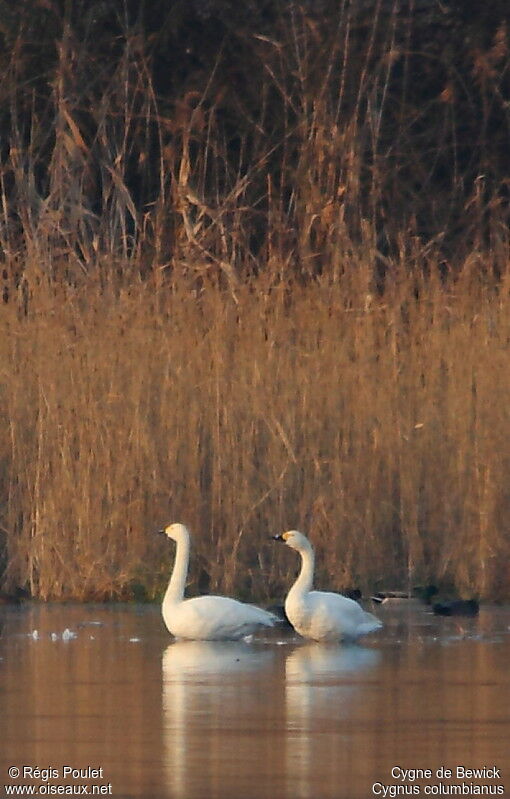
column 378, row 426
column 267, row 290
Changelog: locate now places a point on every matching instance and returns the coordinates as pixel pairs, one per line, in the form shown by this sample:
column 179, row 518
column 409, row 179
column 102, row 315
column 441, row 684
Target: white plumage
column 322, row 615
column 206, row 618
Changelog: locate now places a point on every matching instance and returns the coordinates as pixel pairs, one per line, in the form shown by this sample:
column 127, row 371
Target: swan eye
column 286, row 536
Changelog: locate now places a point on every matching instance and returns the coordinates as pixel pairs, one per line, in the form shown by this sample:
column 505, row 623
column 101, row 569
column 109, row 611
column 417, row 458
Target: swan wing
column 325, row 615
column 218, row 618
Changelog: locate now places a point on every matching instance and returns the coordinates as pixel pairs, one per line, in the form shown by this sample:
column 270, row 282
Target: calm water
column 276, row 718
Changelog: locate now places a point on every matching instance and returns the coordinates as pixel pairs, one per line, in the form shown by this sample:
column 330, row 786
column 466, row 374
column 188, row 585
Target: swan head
column 294, row 540
column 176, row 531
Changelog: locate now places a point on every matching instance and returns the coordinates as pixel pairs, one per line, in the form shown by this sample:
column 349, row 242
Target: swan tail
column 369, row 624
column 263, row 617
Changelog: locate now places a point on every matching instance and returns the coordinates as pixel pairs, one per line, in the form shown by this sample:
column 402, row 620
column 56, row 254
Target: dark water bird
column 386, row 596
column 352, row 593
column 456, row 607
column 15, row 597
column 421, row 592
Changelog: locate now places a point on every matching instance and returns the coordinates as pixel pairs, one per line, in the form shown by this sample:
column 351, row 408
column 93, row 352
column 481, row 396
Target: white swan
column 206, row 618
column 321, row 615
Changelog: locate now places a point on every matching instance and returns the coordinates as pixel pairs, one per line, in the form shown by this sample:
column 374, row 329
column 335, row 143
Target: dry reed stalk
column 251, row 329
column 378, row 429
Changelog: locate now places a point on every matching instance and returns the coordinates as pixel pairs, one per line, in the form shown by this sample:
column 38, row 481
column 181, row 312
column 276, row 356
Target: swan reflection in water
column 208, row 687
column 320, row 686
column 235, row 713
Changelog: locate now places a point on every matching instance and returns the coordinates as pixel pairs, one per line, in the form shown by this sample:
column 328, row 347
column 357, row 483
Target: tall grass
column 254, row 329
column 378, row 425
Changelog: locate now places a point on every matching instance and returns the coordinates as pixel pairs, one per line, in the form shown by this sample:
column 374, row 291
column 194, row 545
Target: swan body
column 322, row 615
column 205, row 618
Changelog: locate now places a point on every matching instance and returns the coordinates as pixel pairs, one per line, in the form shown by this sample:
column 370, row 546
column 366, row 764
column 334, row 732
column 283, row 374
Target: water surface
column 104, row 687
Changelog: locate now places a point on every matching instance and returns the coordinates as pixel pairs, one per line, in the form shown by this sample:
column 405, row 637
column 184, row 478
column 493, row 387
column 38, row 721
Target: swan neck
column 304, row 581
column 177, row 584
